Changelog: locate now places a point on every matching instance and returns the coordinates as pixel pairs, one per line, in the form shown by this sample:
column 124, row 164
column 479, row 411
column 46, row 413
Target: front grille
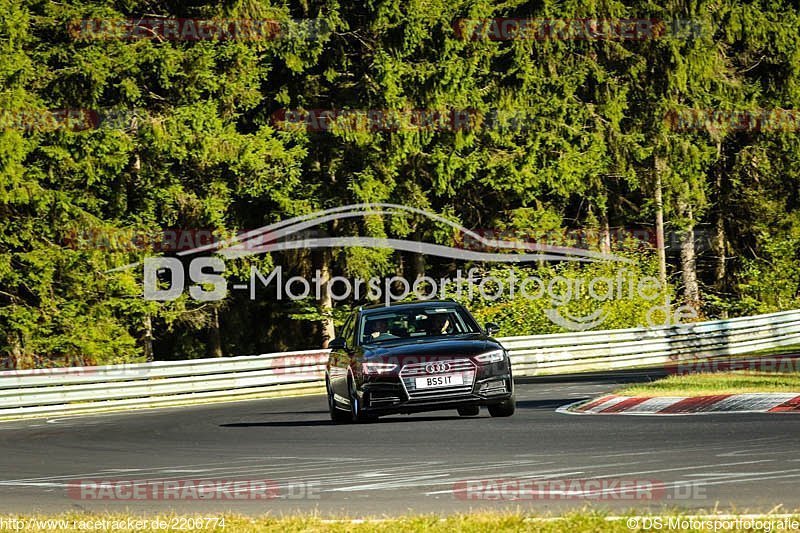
column 411, row 371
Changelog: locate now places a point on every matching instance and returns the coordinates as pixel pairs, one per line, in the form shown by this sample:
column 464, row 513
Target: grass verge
column 734, row 382
column 476, row 522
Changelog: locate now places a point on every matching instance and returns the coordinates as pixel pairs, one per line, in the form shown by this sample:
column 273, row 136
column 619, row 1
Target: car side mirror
column 491, row 328
column 338, row 344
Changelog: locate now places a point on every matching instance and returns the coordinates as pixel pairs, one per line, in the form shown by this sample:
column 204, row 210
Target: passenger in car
column 440, row 325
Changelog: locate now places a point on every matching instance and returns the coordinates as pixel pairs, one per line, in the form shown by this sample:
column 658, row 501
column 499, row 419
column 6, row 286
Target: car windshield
column 412, row 323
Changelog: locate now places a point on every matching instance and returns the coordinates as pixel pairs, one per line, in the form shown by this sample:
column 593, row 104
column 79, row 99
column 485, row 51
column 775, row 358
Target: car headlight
column 377, row 368
column 491, row 357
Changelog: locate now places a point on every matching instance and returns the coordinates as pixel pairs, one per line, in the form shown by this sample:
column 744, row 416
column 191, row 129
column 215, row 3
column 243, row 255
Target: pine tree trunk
column 326, row 302
column 214, row 339
column 417, row 266
column 720, row 249
column 659, row 200
column 147, row 338
column 605, row 232
column 691, row 289
column 20, row 358
column 417, row 261
column 718, row 242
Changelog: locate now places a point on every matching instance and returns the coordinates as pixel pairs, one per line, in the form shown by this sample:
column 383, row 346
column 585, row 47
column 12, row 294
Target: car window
column 347, row 330
column 420, row 322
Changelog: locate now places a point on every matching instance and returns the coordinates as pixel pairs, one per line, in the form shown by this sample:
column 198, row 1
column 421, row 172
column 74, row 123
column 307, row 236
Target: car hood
column 457, row 345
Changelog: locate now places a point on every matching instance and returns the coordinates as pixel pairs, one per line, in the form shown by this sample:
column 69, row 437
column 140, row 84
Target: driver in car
column 379, row 330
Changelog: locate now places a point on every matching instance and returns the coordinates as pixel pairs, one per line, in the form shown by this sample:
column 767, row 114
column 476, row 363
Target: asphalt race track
column 741, row 462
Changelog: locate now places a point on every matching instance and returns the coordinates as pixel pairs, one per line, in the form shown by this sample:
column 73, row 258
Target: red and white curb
column 612, row 404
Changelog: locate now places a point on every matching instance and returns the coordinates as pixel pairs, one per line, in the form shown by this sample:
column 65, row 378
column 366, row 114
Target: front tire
column 337, row 415
column 505, row 408
column 357, row 414
column 472, row 410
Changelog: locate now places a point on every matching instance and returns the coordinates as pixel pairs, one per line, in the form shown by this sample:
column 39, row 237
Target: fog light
column 497, row 386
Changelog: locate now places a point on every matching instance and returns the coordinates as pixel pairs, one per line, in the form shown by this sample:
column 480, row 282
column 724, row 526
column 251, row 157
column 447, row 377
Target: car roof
column 400, row 306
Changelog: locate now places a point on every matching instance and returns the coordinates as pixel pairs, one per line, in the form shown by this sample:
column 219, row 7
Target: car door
column 340, row 359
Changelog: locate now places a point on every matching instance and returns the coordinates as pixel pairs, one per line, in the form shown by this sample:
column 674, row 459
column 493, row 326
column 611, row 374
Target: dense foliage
column 563, row 134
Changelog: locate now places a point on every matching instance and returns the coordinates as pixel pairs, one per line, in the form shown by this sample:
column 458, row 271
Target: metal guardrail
column 159, row 384
column 164, row 383
column 647, row 347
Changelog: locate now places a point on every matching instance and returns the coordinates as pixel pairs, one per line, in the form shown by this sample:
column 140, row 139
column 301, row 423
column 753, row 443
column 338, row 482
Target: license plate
column 442, row 380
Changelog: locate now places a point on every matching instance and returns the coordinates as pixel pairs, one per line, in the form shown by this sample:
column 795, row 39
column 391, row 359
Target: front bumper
column 487, row 385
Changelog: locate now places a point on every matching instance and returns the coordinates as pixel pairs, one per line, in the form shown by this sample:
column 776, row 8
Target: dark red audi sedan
column 413, row 357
